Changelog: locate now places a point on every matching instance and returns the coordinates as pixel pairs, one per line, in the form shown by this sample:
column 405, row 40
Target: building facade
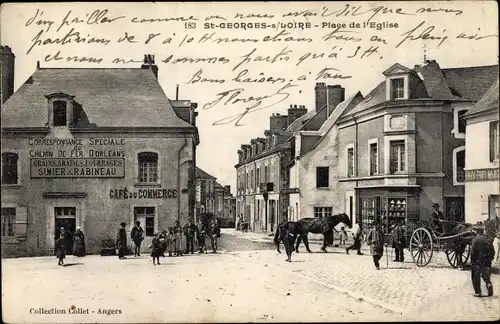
column 261, row 171
column 205, row 193
column 402, row 148
column 93, row 148
column 482, row 153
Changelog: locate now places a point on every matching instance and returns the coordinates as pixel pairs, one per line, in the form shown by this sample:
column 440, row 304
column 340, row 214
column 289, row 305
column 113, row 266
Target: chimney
column 295, row 112
column 320, row 92
column 278, row 123
column 335, row 95
column 7, row 61
column 149, row 64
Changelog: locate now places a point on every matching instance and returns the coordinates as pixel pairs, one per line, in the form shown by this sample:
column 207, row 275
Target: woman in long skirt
column 177, row 239
column 78, row 242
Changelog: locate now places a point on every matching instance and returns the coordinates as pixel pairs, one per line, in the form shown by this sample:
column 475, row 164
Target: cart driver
column 436, row 218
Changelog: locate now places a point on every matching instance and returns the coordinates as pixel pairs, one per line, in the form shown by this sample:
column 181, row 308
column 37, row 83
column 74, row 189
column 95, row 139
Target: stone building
column 482, row 155
column 205, row 193
column 402, row 148
column 93, row 148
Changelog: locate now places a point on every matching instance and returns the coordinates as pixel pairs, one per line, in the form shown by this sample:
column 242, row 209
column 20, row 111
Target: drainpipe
column 355, row 164
column 179, row 178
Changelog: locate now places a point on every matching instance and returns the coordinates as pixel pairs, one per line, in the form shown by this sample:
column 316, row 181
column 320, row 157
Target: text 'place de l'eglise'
column 75, row 152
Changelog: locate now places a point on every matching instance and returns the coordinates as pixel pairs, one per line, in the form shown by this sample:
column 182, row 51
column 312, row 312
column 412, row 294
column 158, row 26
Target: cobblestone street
column 436, row 292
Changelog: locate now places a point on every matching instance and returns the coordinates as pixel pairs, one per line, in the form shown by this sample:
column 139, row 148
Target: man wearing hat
column 482, row 254
column 376, row 240
column 137, row 236
column 121, row 241
column 436, row 218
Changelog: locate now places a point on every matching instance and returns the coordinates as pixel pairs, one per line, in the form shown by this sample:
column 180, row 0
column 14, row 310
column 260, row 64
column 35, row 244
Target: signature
column 425, row 34
column 233, row 96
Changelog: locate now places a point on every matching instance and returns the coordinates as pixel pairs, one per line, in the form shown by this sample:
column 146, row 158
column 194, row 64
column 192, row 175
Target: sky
column 455, row 34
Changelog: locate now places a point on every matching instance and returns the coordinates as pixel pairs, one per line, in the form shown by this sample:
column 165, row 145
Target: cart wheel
column 455, row 256
column 421, row 247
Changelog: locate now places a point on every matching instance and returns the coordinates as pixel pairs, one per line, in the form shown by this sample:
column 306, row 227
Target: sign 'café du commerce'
column 93, row 148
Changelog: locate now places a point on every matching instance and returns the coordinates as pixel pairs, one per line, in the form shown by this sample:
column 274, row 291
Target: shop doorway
column 145, row 215
column 66, row 221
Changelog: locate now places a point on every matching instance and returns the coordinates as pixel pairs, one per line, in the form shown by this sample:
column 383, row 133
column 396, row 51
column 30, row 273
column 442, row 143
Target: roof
column 129, row 97
column 454, row 84
column 487, row 102
column 200, row 174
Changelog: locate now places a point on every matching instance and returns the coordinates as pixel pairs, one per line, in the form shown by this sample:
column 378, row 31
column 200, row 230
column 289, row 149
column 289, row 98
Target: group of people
column 171, row 240
column 61, row 245
column 242, row 225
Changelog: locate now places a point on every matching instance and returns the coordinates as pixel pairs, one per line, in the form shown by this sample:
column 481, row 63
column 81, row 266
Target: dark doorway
column 455, row 209
column 69, row 225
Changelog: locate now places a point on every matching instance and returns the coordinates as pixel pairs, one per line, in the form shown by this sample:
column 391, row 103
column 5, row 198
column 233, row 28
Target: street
column 248, row 281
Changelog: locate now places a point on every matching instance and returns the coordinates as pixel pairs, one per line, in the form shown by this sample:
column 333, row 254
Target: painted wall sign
column 77, row 168
column 156, row 193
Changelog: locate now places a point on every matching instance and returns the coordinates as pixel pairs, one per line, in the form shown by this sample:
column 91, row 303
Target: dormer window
column 60, row 112
column 458, row 122
column 397, row 88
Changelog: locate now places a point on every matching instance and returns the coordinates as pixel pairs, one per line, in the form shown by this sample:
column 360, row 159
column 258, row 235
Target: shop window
column 60, row 113
column 8, row 221
column 369, row 212
column 148, row 167
column 350, row 160
column 373, row 158
column 458, row 166
column 397, row 156
column 10, row 168
column 395, row 212
column 148, row 215
column 494, row 141
column 322, row 175
column 320, row 212
column 397, row 88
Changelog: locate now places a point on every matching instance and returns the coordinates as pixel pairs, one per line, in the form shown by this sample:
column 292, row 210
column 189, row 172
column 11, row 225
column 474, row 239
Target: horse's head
column 339, row 218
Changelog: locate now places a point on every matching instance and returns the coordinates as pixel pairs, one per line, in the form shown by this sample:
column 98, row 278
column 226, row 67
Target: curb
column 358, row 296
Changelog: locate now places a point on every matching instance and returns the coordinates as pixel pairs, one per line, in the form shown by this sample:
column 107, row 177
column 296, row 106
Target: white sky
column 217, row 153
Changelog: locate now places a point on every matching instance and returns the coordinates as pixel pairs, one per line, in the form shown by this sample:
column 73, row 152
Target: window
column 148, row 214
column 148, row 167
column 397, row 156
column 65, row 212
column 397, row 88
column 266, row 174
column 60, row 113
column 257, row 175
column 8, row 221
column 494, row 141
column 247, row 181
column 369, row 212
column 252, row 180
column 373, row 158
column 320, row 212
column 461, row 121
column 322, row 175
column 458, row 165
column 350, row 161
column 10, row 174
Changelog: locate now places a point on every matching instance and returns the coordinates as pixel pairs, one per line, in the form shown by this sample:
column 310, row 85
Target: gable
column 396, row 69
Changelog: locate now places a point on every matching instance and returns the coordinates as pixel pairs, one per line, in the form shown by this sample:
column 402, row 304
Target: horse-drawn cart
column 453, row 238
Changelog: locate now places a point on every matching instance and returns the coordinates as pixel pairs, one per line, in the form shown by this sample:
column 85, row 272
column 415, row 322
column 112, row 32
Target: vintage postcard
column 250, row 162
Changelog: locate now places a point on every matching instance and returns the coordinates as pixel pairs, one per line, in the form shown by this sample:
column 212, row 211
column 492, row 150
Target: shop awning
column 389, row 187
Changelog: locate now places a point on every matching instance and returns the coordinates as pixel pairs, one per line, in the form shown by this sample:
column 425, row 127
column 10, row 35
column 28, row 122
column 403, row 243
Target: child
column 61, row 249
column 343, row 235
column 170, row 241
column 156, row 249
column 288, row 242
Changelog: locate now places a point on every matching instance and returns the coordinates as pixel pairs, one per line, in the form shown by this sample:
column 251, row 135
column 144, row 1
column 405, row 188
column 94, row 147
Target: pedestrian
column 214, row 234
column 121, row 241
column 288, row 241
column 137, row 236
column 357, row 240
column 61, row 249
column 190, row 232
column 163, row 242
column 78, row 242
column 343, row 235
column 177, row 239
column 436, row 218
column 398, row 243
column 200, row 236
column 376, row 240
column 170, row 241
column 156, row 249
column 482, row 254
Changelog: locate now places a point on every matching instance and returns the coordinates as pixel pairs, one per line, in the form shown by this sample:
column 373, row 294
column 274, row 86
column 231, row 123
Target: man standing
column 137, row 236
column 436, row 218
column 398, row 242
column 121, row 241
column 214, row 234
column 189, row 231
column 482, row 254
column 376, row 240
column 200, row 236
column 357, row 239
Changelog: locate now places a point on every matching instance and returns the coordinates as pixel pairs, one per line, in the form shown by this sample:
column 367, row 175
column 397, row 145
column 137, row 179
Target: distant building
column 205, row 193
column 482, row 155
column 93, row 148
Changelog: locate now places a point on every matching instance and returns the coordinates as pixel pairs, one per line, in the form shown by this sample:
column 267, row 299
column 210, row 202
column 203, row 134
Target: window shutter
column 21, row 222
